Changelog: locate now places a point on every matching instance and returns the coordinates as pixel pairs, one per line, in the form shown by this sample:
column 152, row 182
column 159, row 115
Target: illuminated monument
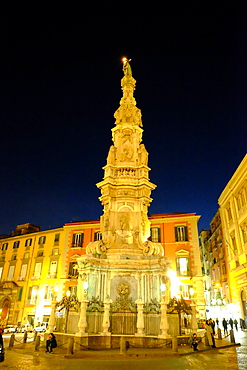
column 123, row 285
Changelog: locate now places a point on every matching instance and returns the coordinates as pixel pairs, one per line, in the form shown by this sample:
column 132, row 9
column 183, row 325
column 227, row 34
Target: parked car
column 25, row 327
column 10, row 329
column 41, row 328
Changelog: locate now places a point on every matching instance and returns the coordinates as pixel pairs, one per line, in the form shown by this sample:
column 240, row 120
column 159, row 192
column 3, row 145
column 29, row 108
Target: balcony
column 33, row 277
column 52, row 275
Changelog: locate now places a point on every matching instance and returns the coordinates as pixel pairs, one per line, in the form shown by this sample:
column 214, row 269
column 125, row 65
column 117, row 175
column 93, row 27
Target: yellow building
column 29, row 269
column 233, row 209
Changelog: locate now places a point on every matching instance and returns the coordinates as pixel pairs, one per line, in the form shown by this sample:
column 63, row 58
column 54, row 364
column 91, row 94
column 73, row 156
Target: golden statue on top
column 126, row 67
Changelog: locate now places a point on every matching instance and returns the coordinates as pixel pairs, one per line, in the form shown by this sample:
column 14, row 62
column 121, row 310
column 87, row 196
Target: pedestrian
column 236, row 324
column 212, row 323
column 224, row 324
column 231, row 323
column 193, row 341
column 51, row 343
column 209, row 334
column 217, row 321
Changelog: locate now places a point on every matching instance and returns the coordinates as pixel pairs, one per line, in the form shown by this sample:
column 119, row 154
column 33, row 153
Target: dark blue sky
column 60, row 86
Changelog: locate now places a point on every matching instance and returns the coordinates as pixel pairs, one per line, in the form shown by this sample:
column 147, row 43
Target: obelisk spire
column 126, row 188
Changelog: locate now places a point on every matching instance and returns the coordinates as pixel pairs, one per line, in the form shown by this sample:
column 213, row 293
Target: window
column 229, row 212
column 233, row 243
column 26, row 255
column 28, row 243
column 16, row 244
column 244, row 234
column 14, row 257
column 182, row 265
column 32, row 295
column 40, row 253
column 37, row 270
column 181, row 233
column 57, row 237
column 155, row 234
column 20, row 294
column 42, row 240
column 48, row 293
column 53, row 269
column 77, row 239
column 97, row 236
column 4, row 246
column 1, row 272
column 73, row 270
column 23, row 272
column 11, row 273
column 55, row 252
column 73, row 290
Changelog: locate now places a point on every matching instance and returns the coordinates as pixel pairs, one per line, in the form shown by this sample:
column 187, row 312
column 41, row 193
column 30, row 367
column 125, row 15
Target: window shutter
column 159, row 237
column 186, row 233
column 176, row 233
column 178, row 265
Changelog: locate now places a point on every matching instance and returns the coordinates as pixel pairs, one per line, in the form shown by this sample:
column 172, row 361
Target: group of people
column 230, row 322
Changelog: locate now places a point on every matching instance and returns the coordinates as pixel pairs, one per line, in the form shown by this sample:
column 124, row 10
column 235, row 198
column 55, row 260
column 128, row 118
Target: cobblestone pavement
column 230, row 357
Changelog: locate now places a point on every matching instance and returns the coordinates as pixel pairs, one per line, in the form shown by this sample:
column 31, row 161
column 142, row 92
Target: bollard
column 11, row 340
column 70, row 346
column 232, row 336
column 122, row 345
column 37, row 343
column 174, row 344
column 219, row 334
column 25, row 337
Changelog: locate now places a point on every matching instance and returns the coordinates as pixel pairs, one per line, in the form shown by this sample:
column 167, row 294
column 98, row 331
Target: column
column 194, row 326
column 164, row 326
column 106, row 317
column 82, row 324
column 140, row 318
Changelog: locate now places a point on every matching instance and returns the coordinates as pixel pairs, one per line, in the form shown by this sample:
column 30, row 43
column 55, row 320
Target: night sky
column 60, row 86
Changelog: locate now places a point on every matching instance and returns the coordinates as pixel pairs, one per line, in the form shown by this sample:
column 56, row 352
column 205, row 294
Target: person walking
column 236, row 324
column 212, row 323
column 231, row 323
column 217, row 322
column 224, row 324
column 51, row 343
column 209, row 334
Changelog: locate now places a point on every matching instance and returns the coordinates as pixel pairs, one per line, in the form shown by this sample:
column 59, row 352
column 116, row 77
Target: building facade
column 214, row 269
column 233, row 210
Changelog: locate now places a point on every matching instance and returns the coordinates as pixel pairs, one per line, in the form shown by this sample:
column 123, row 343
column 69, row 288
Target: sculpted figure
column 111, row 155
column 126, row 67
